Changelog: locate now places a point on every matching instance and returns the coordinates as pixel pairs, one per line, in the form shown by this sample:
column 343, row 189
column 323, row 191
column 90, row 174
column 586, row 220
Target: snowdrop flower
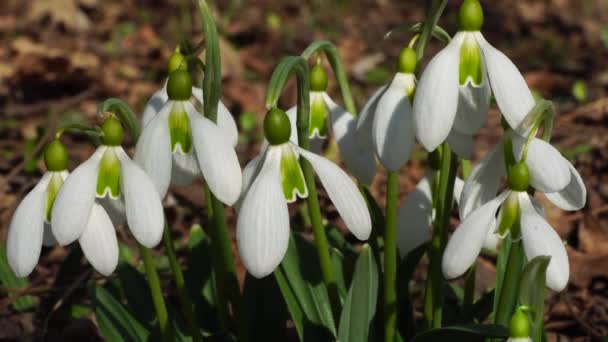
column 109, row 175
column 386, row 121
column 177, row 143
column 416, row 214
column 518, row 216
column 30, row 227
column 463, row 75
column 277, row 179
column 325, row 113
column 519, row 327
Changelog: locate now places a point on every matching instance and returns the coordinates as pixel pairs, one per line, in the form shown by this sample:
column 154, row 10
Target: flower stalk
column 390, row 256
column 157, row 294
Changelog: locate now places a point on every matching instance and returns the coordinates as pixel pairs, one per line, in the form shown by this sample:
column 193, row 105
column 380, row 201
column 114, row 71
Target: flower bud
column 406, row 64
column 177, row 61
column 56, row 156
column 112, row 132
column 518, row 178
column 277, row 127
column 179, row 86
column 318, row 78
column 519, row 327
column 470, row 16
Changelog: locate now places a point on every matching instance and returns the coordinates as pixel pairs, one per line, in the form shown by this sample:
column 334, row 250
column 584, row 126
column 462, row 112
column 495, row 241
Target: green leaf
column 405, row 270
column 360, row 305
column 532, row 293
column 115, row 321
column 300, row 280
column 501, row 267
column 466, row 332
column 266, row 309
column 137, row 293
column 9, row 279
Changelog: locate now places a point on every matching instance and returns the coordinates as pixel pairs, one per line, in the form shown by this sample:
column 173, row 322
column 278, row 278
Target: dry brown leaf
column 64, row 12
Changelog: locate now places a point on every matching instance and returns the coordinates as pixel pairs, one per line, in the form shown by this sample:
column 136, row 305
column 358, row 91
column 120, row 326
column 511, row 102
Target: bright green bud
column 56, row 156
column 520, row 325
column 470, row 16
column 177, row 61
column 509, row 216
column 406, row 64
column 318, row 78
column 108, row 176
column 179, row 86
column 277, row 127
column 518, row 178
column 113, row 133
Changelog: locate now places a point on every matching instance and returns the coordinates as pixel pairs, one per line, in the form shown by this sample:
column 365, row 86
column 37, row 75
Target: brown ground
column 59, row 59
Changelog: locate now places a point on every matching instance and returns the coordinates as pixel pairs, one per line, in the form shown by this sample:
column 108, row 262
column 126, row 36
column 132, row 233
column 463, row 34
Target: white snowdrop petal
column 393, row 129
column 574, row 195
column 359, row 161
column 508, row 85
column 48, row 239
column 98, row 242
column 414, row 217
column 72, row 206
column 473, row 105
column 225, row 120
column 492, row 239
column 262, row 229
column 185, row 168
column 365, row 119
column 25, row 232
column 153, row 150
column 115, row 208
column 343, row 193
column 549, row 171
column 458, row 186
column 539, row 238
column 143, row 205
column 436, row 99
column 316, row 143
column 468, row 239
column 461, row 144
column 154, row 105
column 216, row 157
column 483, row 182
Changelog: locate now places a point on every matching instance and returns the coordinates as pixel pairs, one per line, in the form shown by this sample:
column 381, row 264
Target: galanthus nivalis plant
column 355, row 287
column 179, row 142
column 277, row 179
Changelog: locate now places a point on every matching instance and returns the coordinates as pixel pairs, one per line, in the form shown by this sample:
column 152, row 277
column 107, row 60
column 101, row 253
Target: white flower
column 78, row 214
column 537, row 235
column 415, row 214
column 276, row 179
column 30, row 226
column 454, row 90
column 358, row 159
column 519, row 339
column 178, row 142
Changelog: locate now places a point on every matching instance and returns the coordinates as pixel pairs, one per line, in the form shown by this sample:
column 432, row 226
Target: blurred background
column 60, row 58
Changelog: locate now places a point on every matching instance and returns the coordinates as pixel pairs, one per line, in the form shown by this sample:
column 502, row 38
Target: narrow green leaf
column 466, row 332
column 9, row 279
column 405, row 270
column 532, row 293
column 137, row 293
column 360, row 305
column 266, row 309
column 116, row 322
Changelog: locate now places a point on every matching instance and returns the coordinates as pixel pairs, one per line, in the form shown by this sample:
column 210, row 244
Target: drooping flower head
column 454, row 90
column 30, row 227
column 109, row 181
column 178, row 143
column 275, row 178
column 325, row 113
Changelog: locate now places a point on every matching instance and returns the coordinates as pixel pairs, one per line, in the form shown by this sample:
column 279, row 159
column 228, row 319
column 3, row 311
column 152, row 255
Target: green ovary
column 179, row 129
column 51, row 192
column 318, row 117
column 108, row 178
column 470, row 62
column 292, row 178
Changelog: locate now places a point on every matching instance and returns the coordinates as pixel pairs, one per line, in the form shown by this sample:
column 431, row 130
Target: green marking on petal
column 510, row 216
column 292, row 177
column 470, row 62
column 108, row 178
column 179, row 129
column 318, row 116
column 55, row 183
column 410, row 87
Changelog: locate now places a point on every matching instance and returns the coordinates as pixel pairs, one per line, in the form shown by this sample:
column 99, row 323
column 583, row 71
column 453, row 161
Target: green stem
column 390, row 256
column 469, row 285
column 157, row 294
column 286, row 68
column 507, row 299
column 433, row 297
column 433, row 14
column 182, row 292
